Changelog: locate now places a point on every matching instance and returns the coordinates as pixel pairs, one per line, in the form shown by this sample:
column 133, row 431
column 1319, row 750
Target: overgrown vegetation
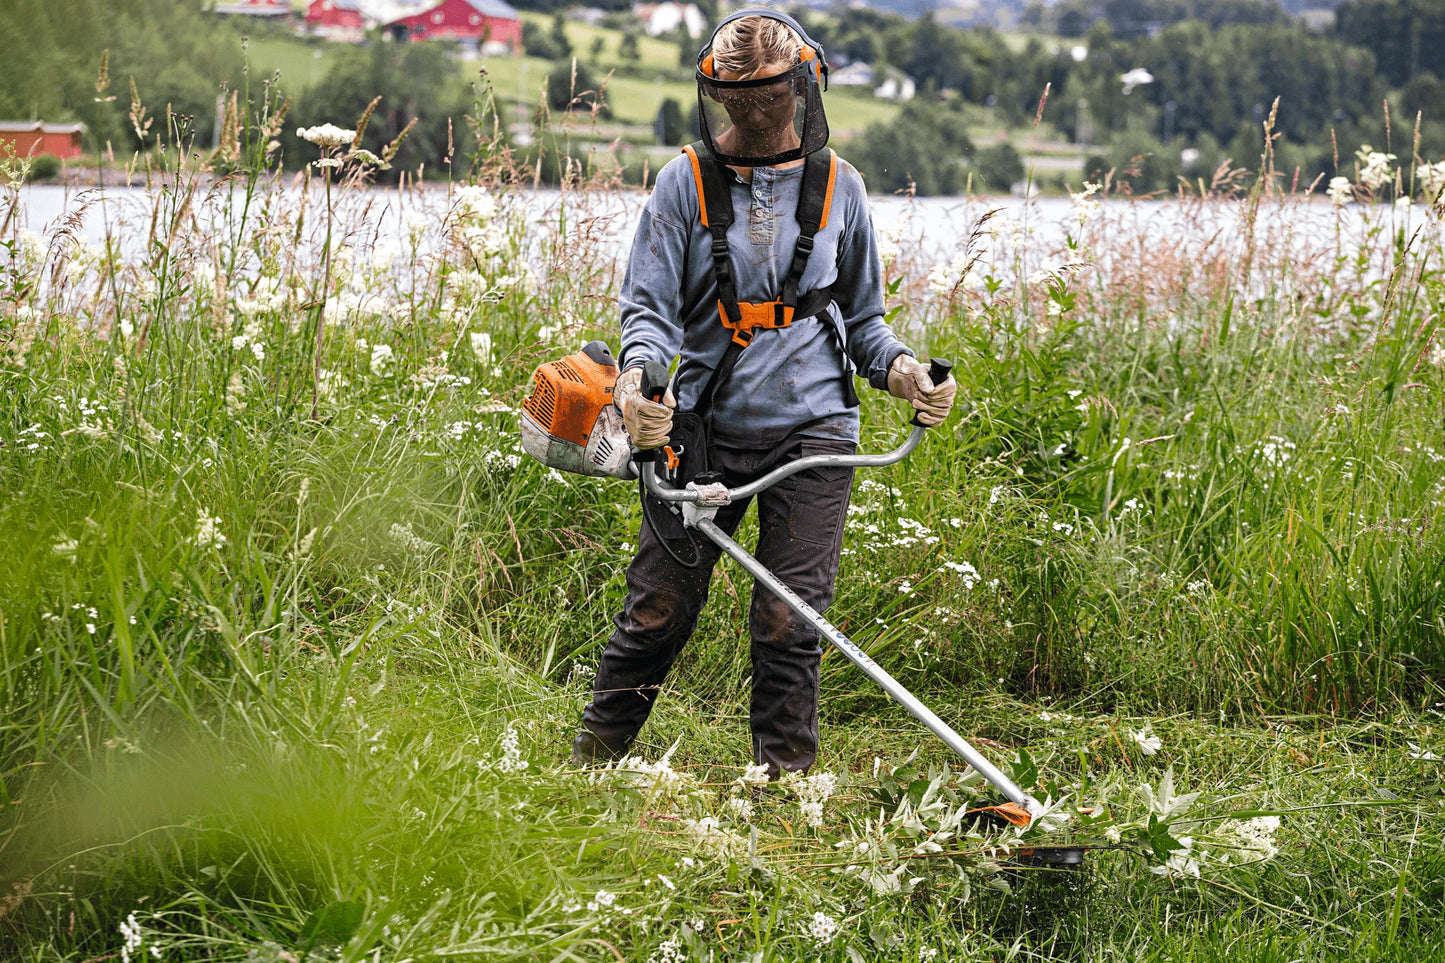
column 293, row 638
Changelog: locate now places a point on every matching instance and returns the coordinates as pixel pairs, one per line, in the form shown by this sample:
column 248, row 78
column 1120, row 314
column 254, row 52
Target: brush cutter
column 565, row 425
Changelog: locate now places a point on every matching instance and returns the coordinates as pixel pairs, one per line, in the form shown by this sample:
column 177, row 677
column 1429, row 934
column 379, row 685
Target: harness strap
column 715, row 210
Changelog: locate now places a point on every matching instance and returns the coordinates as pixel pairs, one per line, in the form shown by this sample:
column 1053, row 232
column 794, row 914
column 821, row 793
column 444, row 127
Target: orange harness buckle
column 765, row 314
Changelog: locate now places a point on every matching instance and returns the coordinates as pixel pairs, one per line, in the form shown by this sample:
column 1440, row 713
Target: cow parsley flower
column 944, row 279
column 739, row 808
column 753, row 776
column 326, row 135
column 965, row 571
column 1431, row 178
column 474, row 205
column 1341, row 191
column 1374, row 166
column 1257, row 835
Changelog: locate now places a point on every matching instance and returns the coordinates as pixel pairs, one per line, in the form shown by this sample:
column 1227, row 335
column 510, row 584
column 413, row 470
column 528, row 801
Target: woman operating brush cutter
column 755, row 264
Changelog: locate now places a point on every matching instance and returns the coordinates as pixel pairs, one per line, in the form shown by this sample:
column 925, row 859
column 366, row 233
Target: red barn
column 473, row 22
column 27, row 138
column 336, row 20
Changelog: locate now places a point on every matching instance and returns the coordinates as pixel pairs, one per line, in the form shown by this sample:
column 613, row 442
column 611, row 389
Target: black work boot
column 588, row 749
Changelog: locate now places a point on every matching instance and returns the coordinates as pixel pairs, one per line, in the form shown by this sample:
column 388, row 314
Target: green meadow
column 293, row 637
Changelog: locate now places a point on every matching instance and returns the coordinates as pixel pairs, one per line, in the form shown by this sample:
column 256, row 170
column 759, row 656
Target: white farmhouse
column 661, row 18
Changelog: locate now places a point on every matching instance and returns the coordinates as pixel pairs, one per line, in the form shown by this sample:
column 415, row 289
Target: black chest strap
column 715, row 209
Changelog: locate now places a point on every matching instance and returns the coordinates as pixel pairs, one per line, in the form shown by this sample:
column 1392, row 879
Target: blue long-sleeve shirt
column 788, row 378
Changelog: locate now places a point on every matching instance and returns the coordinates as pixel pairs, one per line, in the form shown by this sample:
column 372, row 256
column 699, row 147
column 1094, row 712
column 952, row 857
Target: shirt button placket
column 760, row 215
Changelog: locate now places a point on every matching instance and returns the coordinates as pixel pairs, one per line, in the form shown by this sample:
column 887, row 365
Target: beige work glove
column 908, row 379
column 647, row 422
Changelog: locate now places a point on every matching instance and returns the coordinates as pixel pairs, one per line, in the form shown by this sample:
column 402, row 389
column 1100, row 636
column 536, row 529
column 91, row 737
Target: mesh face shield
column 764, row 120
column 768, row 120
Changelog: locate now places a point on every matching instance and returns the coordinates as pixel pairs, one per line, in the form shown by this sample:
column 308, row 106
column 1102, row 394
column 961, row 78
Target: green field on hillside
column 519, row 81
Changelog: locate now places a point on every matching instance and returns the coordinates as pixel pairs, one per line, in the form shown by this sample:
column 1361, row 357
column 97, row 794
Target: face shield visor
column 763, row 120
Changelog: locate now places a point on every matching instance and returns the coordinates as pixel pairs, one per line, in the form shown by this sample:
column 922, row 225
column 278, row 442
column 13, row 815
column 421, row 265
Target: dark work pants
column 800, row 522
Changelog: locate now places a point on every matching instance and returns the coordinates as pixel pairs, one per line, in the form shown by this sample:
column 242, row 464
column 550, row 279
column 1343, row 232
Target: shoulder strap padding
column 711, row 177
column 815, row 202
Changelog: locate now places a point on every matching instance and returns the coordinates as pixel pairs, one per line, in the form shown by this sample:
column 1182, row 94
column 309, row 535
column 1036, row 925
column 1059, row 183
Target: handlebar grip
column 654, row 380
column 938, row 371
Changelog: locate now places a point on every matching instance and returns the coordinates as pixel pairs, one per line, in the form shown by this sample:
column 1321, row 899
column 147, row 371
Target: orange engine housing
column 569, row 422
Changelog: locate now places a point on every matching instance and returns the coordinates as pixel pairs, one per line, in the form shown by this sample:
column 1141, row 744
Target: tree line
column 1215, row 68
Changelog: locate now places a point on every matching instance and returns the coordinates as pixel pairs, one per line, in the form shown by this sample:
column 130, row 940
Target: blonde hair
column 749, row 45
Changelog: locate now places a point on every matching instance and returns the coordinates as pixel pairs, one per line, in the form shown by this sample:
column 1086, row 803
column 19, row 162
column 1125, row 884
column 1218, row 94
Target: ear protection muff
column 809, row 52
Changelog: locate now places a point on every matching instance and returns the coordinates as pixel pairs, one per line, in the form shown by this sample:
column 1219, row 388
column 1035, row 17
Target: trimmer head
column 1009, row 813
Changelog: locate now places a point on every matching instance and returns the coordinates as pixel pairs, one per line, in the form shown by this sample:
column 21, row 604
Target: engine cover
column 569, row 422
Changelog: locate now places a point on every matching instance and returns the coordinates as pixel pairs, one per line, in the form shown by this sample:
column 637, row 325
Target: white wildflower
column 1180, row 862
column 1275, row 450
column 235, row 394
column 65, row 547
column 753, row 775
column 669, row 951
column 474, row 205
column 208, row 531
column 711, row 836
column 1256, row 835
column 1431, row 178
column 481, row 346
column 739, row 808
column 965, row 571
column 1085, row 204
column 1341, row 191
column 1374, row 166
column 326, row 135
column 381, row 357
column 408, row 541
column 601, row 901
column 511, row 760
column 131, row 934
column 823, row 928
column 944, row 279
column 812, row 813
column 1148, row 742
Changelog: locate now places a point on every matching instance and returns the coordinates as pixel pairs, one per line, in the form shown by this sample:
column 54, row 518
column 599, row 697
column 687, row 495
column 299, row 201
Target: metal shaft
column 872, row 669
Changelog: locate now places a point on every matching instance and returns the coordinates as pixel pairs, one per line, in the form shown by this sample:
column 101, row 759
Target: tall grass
column 292, row 636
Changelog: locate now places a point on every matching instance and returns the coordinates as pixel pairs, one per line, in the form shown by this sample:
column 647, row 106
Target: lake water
column 1120, row 233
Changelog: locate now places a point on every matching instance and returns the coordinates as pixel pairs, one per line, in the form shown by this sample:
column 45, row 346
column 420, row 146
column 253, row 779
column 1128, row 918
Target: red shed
column 473, row 22
column 336, row 19
column 30, row 137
